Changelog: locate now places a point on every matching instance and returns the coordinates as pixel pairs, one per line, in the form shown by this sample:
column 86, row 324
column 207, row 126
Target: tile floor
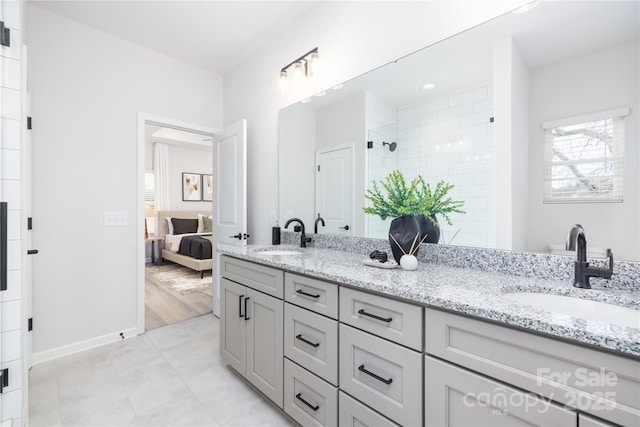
column 171, row 376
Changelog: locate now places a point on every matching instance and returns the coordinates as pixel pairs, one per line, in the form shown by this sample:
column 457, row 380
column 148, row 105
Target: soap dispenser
column 275, row 234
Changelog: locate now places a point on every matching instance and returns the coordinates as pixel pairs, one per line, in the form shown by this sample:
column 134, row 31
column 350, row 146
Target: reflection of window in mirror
column 584, row 158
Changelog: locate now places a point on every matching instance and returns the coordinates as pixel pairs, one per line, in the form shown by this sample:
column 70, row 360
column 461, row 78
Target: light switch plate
column 116, row 219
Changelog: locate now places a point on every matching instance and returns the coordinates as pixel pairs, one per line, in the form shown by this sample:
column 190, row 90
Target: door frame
column 144, row 119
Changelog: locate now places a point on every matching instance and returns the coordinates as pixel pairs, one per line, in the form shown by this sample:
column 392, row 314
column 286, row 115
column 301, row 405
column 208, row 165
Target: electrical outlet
column 116, row 219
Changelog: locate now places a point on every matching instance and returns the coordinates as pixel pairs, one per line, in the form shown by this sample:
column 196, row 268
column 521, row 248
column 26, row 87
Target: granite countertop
column 477, row 293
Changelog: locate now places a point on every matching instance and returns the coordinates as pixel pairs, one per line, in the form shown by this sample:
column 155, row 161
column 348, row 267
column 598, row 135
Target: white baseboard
column 68, row 349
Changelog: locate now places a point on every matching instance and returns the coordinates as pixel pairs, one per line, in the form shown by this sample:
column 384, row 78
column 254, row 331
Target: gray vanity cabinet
column 584, row 381
column 251, row 333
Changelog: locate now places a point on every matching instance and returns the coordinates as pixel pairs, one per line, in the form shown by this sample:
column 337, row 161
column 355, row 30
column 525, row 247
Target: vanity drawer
column 381, row 374
column 259, row 277
column 313, row 294
column 457, row 397
column 394, row 320
column 308, row 399
column 354, row 414
column 311, row 340
column 567, row 373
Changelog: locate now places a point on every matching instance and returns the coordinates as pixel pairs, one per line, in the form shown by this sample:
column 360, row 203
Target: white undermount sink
column 578, row 307
column 279, row 252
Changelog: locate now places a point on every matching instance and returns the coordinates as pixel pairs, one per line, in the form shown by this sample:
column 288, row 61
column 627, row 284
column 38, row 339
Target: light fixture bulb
column 428, row 86
column 323, row 93
column 283, row 80
column 313, row 63
column 298, row 70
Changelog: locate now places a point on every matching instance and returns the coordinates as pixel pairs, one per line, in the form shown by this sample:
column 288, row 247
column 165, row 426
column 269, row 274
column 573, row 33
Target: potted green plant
column 413, row 206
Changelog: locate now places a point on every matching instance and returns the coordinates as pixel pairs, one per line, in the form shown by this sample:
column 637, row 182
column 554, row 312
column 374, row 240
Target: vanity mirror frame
column 520, row 227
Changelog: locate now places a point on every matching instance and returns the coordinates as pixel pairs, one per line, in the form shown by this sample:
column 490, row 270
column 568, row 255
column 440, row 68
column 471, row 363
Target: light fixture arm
column 314, row 50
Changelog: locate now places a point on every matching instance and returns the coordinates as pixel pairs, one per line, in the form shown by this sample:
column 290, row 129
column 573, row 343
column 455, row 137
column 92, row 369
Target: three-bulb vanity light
column 305, row 66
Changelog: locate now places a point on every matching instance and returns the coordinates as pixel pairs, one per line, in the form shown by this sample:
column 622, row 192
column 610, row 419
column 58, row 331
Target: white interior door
column 334, row 188
column 230, row 195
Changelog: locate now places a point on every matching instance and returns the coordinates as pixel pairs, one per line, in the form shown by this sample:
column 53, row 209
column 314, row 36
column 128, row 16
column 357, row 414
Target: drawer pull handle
column 378, row 377
column 384, row 319
column 299, row 397
column 306, row 294
column 312, row 344
column 245, row 309
column 240, row 306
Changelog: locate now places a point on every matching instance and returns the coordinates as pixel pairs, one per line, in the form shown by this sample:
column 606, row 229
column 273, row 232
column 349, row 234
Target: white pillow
column 169, row 226
column 200, row 224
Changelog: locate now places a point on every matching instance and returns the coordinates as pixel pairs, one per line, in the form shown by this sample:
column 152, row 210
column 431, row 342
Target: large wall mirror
column 533, row 118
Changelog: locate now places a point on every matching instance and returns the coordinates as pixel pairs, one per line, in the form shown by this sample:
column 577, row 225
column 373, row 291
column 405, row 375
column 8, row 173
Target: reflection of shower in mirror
column 392, row 145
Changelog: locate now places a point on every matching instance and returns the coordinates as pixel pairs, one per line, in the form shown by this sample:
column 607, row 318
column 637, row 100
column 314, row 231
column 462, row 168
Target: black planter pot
column 403, row 230
column 429, row 226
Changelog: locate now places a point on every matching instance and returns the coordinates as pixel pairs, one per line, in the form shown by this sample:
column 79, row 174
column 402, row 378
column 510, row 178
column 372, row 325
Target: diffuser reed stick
column 420, row 244
column 414, row 243
column 394, row 239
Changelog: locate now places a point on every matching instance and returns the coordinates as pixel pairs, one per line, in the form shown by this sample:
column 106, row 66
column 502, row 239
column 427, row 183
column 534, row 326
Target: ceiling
column 214, row 35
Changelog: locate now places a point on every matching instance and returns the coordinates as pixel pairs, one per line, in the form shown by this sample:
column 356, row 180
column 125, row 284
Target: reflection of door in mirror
column 333, row 193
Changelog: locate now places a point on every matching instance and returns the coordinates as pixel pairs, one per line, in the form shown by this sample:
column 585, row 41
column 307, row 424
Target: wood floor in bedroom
column 164, row 306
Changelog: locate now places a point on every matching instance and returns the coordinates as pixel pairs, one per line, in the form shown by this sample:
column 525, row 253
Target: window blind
column 584, row 160
column 149, row 188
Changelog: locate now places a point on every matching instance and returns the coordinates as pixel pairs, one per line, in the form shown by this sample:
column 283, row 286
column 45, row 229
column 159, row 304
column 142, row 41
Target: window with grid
column 584, row 158
column 149, row 189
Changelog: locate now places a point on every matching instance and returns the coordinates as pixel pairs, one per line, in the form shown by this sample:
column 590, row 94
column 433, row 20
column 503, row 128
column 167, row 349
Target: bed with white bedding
column 199, row 261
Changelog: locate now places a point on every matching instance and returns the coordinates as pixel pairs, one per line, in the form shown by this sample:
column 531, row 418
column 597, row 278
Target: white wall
column 352, row 37
column 88, row 88
column 184, row 159
column 297, row 135
column 596, row 81
column 12, row 180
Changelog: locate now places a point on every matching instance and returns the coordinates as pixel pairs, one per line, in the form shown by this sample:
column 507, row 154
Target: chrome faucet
column 303, row 238
column 315, row 225
column 577, row 238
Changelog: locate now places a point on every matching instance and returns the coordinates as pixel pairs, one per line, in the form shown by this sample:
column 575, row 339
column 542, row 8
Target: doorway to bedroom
column 177, row 202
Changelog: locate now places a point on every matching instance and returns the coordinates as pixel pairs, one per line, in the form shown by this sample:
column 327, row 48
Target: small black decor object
column 379, row 256
column 429, row 226
column 402, row 234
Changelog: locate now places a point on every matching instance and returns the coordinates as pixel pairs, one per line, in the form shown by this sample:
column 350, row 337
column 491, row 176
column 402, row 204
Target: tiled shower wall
column 381, row 123
column 451, row 138
column 10, row 192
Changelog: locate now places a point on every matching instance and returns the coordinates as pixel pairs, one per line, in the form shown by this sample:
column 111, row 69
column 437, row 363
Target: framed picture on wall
column 191, row 187
column 207, row 188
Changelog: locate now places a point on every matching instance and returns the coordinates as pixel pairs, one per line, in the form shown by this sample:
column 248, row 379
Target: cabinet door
column 233, row 341
column 457, row 397
column 265, row 344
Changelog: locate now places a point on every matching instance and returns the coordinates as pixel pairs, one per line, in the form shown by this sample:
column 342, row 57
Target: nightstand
column 154, row 245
